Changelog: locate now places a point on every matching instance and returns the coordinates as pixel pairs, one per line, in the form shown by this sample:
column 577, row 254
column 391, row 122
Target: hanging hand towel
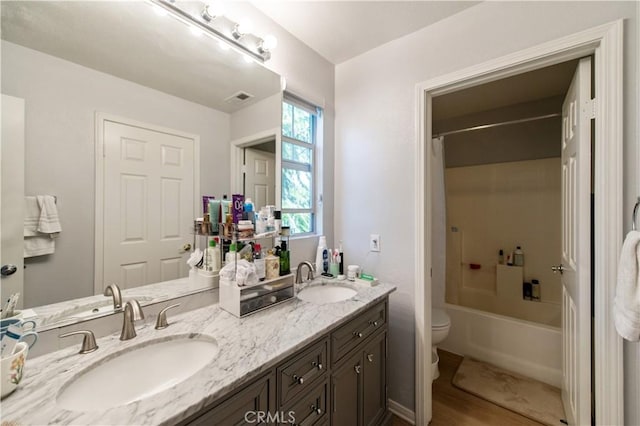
column 41, row 225
column 626, row 307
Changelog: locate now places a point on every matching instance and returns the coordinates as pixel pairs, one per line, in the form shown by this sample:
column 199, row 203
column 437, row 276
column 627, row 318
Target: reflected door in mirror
column 148, row 204
column 260, row 179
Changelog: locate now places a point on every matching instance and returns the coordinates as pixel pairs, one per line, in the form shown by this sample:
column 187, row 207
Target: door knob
column 186, row 247
column 558, row 268
column 8, row 270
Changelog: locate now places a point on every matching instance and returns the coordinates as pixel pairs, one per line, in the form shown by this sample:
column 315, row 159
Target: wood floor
column 455, row 407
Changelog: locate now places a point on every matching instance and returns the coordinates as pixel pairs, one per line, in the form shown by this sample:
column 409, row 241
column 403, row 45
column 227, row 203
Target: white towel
column 626, row 306
column 41, row 225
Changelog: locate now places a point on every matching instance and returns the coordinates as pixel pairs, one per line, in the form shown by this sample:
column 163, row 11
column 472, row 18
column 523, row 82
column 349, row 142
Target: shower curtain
column 438, row 223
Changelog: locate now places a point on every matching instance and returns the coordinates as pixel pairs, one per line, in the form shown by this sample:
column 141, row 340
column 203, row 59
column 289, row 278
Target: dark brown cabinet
column 359, row 385
column 309, row 389
column 243, row 408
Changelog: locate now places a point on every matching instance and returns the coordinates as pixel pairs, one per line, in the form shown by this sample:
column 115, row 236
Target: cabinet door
column 345, row 392
column 243, row 408
column 374, row 395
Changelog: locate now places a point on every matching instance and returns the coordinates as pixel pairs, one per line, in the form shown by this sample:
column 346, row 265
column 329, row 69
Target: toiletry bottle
column 526, row 291
column 212, row 257
column 518, row 257
column 272, row 266
column 284, row 259
column 501, row 257
column 535, row 290
column 509, row 260
column 277, row 221
column 258, row 261
column 322, row 250
column 341, row 259
column 231, row 254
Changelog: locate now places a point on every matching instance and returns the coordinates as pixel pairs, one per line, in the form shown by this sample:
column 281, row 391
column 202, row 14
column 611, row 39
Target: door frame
column 605, row 42
column 100, row 119
column 236, row 158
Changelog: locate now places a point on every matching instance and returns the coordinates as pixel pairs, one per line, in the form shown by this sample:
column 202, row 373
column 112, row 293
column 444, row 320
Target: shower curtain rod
column 504, row 123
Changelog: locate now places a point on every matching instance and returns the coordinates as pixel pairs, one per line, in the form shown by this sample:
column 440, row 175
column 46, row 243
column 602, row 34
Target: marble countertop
column 65, row 313
column 248, row 347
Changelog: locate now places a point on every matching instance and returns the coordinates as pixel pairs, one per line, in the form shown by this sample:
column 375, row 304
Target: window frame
column 305, row 167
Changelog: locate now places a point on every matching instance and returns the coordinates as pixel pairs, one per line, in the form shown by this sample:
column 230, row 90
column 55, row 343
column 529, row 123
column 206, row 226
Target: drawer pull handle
column 374, row 323
column 317, row 365
column 357, row 334
column 318, row 411
column 370, row 357
column 298, row 379
column 357, row 368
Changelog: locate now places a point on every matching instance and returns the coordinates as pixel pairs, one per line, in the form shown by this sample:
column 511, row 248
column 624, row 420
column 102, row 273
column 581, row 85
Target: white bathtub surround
column 248, row 347
column 627, row 301
column 530, row 349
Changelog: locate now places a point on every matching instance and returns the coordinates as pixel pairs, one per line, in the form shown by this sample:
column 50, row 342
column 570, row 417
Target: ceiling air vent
column 239, row 97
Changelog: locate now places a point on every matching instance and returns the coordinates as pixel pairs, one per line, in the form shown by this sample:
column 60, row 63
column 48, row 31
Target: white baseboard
column 403, row 412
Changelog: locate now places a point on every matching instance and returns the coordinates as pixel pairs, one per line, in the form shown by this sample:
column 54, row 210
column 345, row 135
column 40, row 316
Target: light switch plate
column 374, row 242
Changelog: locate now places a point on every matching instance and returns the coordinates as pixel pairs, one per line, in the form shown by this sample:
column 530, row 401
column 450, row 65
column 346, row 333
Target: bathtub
column 528, row 348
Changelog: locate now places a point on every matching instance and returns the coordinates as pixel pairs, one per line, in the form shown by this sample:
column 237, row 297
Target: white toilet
column 440, row 324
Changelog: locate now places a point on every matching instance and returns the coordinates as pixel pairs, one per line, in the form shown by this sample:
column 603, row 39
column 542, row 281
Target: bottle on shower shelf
column 518, row 257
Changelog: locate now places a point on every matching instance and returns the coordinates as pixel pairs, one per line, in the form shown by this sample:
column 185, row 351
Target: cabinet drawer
column 357, row 330
column 241, row 408
column 312, row 408
column 296, row 375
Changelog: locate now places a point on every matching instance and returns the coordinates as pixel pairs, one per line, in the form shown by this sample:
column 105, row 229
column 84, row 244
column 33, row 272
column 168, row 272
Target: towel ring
column 635, row 215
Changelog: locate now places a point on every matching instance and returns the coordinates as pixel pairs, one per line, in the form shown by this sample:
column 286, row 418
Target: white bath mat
column 533, row 399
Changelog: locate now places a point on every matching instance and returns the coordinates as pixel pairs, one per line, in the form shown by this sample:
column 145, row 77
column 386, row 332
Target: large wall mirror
column 91, row 73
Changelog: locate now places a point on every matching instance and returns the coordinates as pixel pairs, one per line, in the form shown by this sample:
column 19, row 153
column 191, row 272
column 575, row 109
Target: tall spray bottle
column 322, row 256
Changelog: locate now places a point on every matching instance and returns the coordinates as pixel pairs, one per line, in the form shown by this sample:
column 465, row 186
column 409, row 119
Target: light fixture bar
column 187, row 18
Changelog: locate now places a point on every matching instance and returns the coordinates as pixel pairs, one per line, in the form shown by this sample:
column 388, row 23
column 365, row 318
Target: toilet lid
column 439, row 318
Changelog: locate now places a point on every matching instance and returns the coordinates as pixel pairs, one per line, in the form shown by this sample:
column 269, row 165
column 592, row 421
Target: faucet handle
column 88, row 343
column 161, row 322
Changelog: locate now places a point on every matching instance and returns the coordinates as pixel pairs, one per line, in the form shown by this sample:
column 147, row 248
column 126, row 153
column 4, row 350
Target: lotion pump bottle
column 322, row 248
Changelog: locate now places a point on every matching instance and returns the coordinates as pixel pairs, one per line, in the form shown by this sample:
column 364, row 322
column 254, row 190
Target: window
column 299, row 124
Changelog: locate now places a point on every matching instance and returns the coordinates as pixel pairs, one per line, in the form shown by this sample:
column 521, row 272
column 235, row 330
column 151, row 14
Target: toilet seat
column 439, row 319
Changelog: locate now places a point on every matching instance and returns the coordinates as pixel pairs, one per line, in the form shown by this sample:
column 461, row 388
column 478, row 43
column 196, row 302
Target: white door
column 12, row 198
column 148, row 204
column 260, row 177
column 576, row 247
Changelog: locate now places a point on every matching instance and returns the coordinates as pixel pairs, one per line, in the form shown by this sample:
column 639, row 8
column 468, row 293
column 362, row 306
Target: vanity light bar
column 256, row 52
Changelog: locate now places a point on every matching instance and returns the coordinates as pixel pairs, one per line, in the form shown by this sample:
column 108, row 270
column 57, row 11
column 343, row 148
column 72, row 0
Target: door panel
column 260, row 179
column 12, row 198
column 374, row 381
column 345, row 383
column 576, row 247
column 148, row 202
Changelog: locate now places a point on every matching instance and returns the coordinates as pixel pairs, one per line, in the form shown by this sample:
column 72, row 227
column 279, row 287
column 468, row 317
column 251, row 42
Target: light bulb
column 212, row 9
column 245, row 26
column 269, row 42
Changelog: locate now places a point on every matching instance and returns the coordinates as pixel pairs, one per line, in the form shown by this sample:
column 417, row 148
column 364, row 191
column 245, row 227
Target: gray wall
column 376, row 100
column 61, row 99
column 515, row 142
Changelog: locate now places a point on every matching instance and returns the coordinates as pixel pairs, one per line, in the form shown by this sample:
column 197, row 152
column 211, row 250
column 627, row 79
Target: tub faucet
column 299, row 271
column 114, row 290
column 132, row 312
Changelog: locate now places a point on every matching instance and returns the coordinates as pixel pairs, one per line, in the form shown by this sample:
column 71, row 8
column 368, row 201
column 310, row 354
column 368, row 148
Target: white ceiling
column 341, row 30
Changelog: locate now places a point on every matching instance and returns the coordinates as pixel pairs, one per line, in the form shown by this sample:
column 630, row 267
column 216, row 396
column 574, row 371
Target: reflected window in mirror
column 300, row 121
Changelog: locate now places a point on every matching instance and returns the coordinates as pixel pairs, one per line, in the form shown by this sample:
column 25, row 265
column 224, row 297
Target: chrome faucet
column 132, row 312
column 114, row 290
column 299, row 271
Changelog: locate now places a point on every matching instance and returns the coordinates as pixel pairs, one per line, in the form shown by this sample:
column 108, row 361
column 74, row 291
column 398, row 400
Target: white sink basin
column 137, row 373
column 321, row 294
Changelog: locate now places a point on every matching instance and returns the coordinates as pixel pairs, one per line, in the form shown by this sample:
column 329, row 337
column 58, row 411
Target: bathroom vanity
column 301, row 362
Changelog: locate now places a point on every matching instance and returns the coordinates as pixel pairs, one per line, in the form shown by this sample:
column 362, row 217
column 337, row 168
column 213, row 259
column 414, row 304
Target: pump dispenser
column 321, row 254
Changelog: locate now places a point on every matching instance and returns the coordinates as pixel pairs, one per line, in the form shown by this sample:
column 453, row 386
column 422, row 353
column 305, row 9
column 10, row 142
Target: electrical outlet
column 374, row 242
